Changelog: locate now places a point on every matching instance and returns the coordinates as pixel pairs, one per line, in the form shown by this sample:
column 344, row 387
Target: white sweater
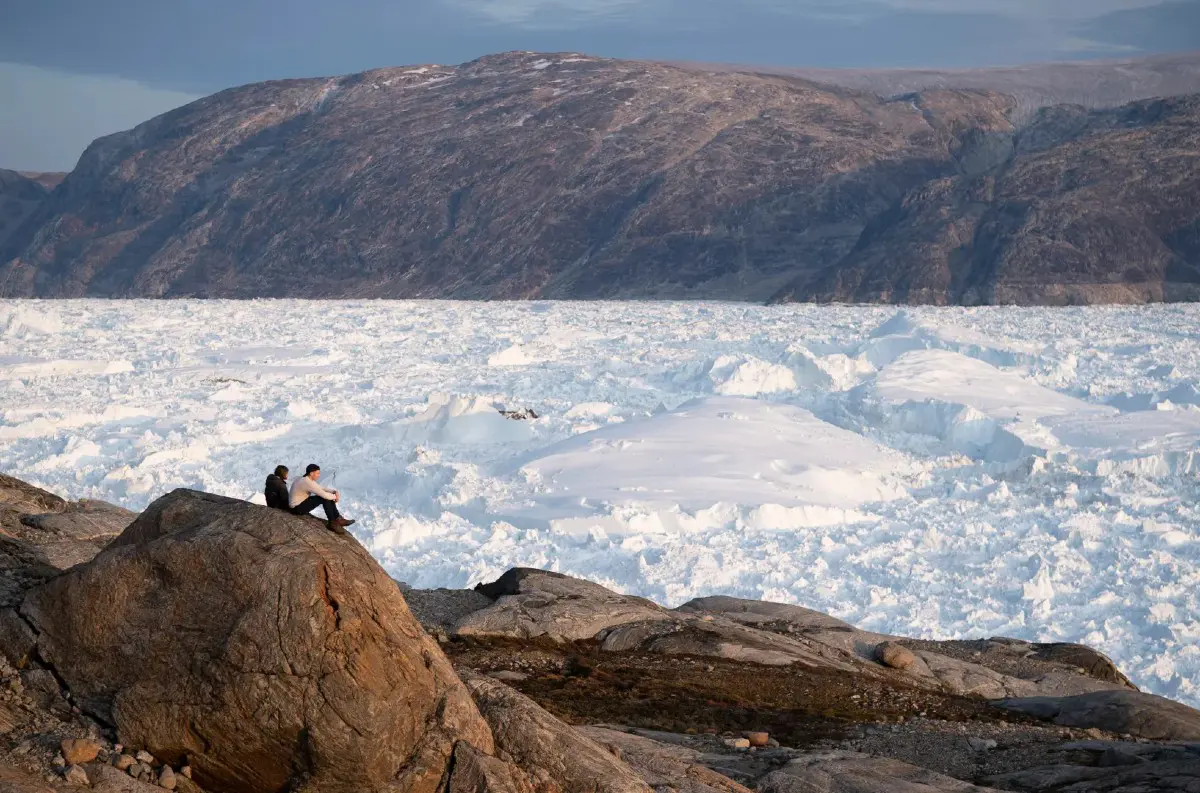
column 304, row 487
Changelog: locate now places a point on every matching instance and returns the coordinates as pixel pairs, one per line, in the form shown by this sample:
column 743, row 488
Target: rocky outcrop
column 20, row 195
column 529, row 603
column 564, row 176
column 41, row 534
column 661, row 765
column 229, row 647
column 1109, row 767
column 1125, row 712
column 266, row 650
column 476, row 772
column 553, row 756
column 848, row 772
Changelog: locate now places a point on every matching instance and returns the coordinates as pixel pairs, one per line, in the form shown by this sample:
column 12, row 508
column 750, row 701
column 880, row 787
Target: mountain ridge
column 528, row 175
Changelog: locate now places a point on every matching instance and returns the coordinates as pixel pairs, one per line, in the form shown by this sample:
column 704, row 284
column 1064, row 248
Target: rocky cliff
column 20, row 195
column 564, row 176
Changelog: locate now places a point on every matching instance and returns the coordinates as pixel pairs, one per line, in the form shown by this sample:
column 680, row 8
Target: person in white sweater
column 306, row 495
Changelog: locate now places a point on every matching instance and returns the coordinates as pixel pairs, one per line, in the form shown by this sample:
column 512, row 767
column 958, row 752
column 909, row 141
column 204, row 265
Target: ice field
column 929, row 472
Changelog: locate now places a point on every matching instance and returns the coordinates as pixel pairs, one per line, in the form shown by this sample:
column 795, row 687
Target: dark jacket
column 276, row 492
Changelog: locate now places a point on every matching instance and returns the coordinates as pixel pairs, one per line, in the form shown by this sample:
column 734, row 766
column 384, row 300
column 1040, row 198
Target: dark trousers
column 312, row 502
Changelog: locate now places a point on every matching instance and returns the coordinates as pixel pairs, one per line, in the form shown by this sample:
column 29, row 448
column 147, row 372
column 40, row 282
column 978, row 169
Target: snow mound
column 1182, row 394
column 720, row 450
column 455, row 419
column 955, row 378
column 1153, row 443
column 834, row 372
column 750, row 377
column 977, row 409
column 510, row 356
column 18, row 367
column 905, row 332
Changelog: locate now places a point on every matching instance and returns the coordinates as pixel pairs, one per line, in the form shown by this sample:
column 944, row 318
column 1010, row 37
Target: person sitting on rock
column 276, row 489
column 307, row 495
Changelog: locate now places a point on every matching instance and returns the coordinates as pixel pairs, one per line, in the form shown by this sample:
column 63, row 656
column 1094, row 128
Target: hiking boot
column 338, row 525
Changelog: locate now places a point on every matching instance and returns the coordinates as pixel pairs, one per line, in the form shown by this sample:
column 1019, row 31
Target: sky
column 74, row 70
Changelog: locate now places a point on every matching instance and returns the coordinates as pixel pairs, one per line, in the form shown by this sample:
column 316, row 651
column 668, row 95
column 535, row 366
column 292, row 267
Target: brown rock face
column 272, row 653
column 555, row 757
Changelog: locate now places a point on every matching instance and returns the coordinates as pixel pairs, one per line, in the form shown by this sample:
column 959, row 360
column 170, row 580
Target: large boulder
column 530, row 603
column 1119, row 711
column 555, row 757
column 269, row 652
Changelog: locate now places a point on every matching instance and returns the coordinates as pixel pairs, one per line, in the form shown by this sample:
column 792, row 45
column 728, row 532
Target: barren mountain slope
column 563, row 176
column 513, row 176
column 1099, row 207
column 19, row 197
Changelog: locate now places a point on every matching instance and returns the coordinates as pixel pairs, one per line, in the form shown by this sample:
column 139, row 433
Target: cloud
column 536, row 14
column 49, row 117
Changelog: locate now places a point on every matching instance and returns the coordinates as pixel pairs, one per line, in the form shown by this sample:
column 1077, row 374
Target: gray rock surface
column 848, row 772
column 439, row 610
column 1122, row 711
column 553, row 755
column 41, row 534
column 663, row 766
column 292, row 655
column 529, row 603
column 723, row 639
column 79, row 532
column 1110, row 767
column 777, row 617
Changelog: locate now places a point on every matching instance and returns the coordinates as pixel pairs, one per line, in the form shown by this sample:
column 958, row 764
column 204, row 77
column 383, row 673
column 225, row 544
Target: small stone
column 1094, row 733
column 758, row 738
column 124, row 762
column 76, row 776
column 508, row 676
column 80, row 751
column 145, row 757
column 59, row 761
column 118, row 748
column 166, row 778
column 774, row 744
column 23, row 747
column 186, row 771
column 895, row 656
column 981, row 744
column 737, row 743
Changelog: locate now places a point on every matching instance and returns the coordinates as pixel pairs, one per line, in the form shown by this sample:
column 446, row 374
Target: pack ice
column 935, row 472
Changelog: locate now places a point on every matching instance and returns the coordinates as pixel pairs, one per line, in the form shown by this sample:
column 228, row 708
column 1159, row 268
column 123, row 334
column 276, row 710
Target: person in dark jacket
column 277, row 490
